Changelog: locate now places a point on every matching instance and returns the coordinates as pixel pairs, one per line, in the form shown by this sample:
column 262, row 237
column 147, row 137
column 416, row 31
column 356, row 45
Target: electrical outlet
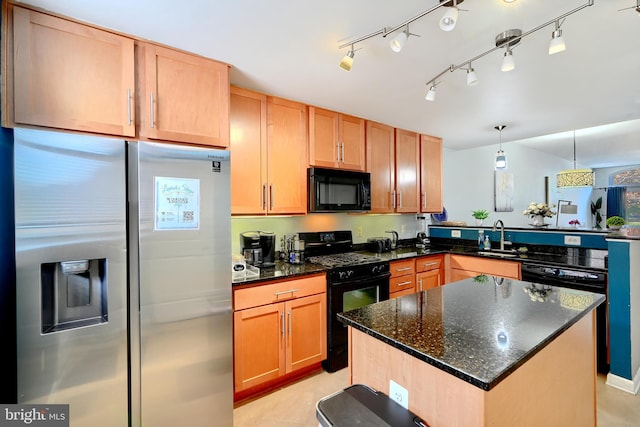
column 572, row 240
column 399, row 394
column 359, row 232
column 455, row 233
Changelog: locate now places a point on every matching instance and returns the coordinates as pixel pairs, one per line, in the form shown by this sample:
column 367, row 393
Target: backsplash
column 370, row 225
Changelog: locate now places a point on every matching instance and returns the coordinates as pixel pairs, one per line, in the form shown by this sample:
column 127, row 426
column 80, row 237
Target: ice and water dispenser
column 74, row 294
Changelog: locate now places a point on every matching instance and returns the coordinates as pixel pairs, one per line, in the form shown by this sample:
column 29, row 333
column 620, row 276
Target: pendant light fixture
column 501, row 158
column 574, row 177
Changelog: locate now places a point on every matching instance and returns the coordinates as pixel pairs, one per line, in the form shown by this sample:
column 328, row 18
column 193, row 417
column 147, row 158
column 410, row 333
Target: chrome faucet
column 394, row 240
column 495, row 225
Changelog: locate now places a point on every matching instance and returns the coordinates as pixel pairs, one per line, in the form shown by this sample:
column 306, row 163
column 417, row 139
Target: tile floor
column 294, row 405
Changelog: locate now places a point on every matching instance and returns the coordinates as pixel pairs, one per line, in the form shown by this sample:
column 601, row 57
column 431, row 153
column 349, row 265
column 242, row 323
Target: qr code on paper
column 187, row 216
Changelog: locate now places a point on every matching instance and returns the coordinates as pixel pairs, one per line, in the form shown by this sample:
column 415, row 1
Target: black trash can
column 359, row 405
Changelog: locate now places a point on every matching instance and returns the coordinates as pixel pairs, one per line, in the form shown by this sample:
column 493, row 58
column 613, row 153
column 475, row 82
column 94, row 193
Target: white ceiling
column 289, row 48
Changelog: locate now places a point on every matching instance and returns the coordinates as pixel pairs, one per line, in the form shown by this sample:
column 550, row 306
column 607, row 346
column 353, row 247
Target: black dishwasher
column 582, row 280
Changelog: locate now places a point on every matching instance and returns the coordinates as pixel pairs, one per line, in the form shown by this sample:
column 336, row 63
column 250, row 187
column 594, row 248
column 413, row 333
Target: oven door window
column 359, row 298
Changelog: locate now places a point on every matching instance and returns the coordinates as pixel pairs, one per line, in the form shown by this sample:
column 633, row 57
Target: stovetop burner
column 343, row 259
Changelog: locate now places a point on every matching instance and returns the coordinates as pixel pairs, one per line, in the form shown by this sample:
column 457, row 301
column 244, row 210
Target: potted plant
column 615, row 222
column 480, row 215
column 595, row 211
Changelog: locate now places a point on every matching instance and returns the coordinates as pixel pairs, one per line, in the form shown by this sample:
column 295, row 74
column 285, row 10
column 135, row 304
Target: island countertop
column 479, row 331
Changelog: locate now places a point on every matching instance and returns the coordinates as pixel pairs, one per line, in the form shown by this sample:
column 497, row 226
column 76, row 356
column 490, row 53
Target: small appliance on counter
column 250, row 247
column 379, row 244
column 258, row 248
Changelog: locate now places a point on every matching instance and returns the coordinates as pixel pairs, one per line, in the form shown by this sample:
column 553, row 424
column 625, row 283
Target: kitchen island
column 482, row 351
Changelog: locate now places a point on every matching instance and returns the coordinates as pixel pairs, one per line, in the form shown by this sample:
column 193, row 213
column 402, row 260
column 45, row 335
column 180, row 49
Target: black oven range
column 353, row 280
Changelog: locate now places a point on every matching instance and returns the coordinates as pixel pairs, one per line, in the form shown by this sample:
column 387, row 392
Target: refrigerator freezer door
column 180, row 241
column 70, row 207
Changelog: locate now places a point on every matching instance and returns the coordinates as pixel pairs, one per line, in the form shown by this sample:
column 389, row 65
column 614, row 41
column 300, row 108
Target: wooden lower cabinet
column 464, row 267
column 429, row 272
column 403, row 278
column 274, row 340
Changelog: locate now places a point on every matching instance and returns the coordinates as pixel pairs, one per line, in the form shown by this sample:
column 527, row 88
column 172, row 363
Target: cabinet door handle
column 264, row 197
column 429, row 264
column 152, row 105
column 404, row 283
column 270, row 196
column 337, row 152
column 404, row 269
column 400, row 199
column 393, row 199
column 423, row 196
column 130, row 119
column 282, row 323
column 290, row 291
column 290, row 323
column 342, row 152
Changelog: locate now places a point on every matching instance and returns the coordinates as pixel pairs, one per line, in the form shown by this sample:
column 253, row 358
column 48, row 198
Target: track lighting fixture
column 398, row 42
column 556, row 44
column 508, row 63
column 472, row 79
column 501, row 158
column 448, row 21
column 431, row 95
column 507, row 40
column 347, row 60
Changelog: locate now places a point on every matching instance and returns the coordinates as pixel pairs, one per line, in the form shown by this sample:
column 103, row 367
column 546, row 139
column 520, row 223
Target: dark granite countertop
column 478, row 331
column 282, row 270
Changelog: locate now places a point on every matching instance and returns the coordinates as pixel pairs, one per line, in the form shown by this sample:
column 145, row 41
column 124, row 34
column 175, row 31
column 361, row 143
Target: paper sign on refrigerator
column 177, row 203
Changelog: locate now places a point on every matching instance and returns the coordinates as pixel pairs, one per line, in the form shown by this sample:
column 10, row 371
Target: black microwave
column 336, row 190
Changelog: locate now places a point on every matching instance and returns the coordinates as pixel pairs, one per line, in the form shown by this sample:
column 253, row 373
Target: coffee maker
column 268, row 247
column 258, row 248
column 250, row 247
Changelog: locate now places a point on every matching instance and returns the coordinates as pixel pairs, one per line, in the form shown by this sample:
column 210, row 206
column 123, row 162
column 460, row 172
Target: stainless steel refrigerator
column 123, row 280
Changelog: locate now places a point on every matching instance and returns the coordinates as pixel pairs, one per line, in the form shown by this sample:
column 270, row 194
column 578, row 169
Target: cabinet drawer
column 401, row 268
column 279, row 291
column 403, row 282
column 493, row 267
column 428, row 263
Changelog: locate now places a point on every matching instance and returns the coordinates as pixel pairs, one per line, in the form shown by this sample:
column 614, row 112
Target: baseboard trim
column 630, row 386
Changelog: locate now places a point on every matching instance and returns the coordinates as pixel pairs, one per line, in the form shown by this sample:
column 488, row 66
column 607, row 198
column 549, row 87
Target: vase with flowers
column 574, row 223
column 538, row 212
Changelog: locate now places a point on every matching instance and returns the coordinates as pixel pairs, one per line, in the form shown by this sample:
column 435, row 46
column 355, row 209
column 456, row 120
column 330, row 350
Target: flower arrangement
column 539, row 209
column 574, row 222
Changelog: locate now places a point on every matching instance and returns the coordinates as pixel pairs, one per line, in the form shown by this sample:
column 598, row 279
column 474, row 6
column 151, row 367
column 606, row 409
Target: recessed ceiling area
column 290, row 49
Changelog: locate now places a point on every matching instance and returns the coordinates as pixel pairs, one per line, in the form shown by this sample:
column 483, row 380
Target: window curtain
column 616, row 201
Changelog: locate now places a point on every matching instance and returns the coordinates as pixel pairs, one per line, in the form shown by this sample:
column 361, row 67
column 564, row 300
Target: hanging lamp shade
column 575, row 177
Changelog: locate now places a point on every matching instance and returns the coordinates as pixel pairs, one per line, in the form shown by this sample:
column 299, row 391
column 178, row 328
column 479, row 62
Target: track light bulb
column 397, row 43
column 557, row 42
column 508, row 63
column 472, row 79
column 448, row 21
column 347, row 60
column 431, row 95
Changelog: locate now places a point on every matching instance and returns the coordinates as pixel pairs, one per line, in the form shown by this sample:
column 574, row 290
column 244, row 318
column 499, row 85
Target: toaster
column 379, row 244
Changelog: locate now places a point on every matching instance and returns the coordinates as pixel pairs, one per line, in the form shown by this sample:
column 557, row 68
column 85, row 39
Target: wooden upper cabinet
column 381, row 166
column 248, row 144
column 407, row 171
column 183, row 97
column 430, row 174
column 69, row 76
column 286, row 156
column 336, row 140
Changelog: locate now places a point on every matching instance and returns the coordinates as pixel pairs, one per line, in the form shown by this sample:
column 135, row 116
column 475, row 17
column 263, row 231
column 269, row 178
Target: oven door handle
column 363, row 280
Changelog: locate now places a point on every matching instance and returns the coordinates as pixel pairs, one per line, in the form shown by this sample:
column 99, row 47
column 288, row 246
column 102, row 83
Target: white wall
column 469, row 185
